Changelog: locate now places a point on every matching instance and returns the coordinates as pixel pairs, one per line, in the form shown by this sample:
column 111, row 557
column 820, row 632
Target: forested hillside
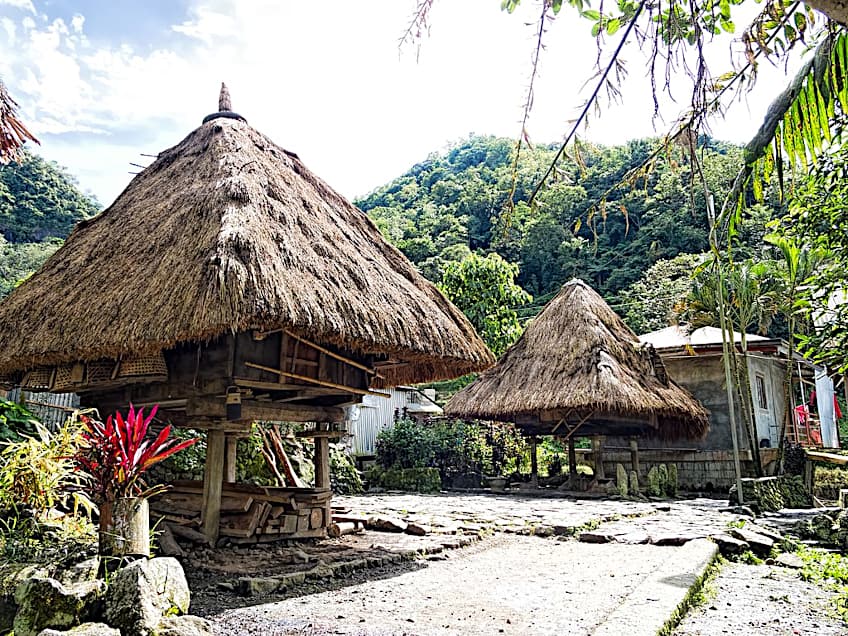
column 39, row 205
column 455, row 202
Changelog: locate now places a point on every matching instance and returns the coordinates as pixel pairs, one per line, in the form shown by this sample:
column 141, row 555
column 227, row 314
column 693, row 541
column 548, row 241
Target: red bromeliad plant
column 116, row 453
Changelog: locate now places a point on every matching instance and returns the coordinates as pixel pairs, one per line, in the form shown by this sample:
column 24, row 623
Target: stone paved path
column 506, row 585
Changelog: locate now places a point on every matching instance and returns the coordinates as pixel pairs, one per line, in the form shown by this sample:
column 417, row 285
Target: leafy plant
column 38, row 472
column 16, row 422
column 115, row 454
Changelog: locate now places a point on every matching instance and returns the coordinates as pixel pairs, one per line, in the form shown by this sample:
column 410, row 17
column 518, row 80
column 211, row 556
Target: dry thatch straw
column 13, row 133
column 579, row 357
column 227, row 232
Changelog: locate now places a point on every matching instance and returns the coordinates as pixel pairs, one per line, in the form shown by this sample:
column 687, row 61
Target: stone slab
column 651, row 604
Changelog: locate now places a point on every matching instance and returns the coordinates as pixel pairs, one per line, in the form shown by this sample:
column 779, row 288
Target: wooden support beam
column 230, row 456
column 213, row 482
column 572, row 464
column 266, row 411
column 322, row 463
column 534, row 465
column 634, row 454
column 330, row 353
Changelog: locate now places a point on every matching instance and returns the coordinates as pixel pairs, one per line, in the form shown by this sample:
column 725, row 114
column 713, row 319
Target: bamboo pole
column 306, row 378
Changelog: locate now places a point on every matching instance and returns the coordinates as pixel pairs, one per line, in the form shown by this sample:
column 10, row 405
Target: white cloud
column 323, row 79
column 26, row 5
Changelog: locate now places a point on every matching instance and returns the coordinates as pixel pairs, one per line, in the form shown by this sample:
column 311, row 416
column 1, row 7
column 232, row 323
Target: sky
column 105, row 83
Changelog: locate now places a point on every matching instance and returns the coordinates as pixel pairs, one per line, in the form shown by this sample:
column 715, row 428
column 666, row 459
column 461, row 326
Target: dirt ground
column 765, row 600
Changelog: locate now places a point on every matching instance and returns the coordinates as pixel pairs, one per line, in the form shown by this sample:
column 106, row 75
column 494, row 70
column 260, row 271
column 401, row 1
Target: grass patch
column 700, row 593
column 829, row 570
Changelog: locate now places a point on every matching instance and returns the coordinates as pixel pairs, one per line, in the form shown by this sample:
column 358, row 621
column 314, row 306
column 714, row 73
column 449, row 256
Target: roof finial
column 224, row 99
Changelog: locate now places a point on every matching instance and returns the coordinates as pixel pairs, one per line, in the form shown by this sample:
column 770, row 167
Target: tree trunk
column 125, row 528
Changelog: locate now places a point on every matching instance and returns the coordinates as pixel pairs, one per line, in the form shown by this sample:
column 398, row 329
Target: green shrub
column 344, row 476
column 16, row 422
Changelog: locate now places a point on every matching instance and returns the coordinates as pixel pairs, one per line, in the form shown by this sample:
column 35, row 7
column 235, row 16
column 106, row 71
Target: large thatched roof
column 225, row 232
column 579, row 360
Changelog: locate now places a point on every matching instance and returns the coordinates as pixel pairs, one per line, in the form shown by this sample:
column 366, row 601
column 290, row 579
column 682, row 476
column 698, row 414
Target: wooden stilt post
column 534, row 465
column 322, row 463
column 634, row 454
column 213, row 480
column 230, row 459
column 572, row 464
column 598, row 452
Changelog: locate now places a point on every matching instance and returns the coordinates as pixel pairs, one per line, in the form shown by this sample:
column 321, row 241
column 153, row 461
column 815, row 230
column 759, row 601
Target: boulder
column 46, row 603
column 760, row 544
column 634, row 484
column 11, row 576
column 86, row 629
column 387, row 524
column 79, row 572
column 142, row 593
column 655, row 488
column 729, row 546
column 257, row 586
column 417, row 529
column 672, row 483
column 184, row 626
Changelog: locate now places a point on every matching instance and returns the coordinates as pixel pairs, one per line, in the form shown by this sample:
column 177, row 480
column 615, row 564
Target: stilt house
column 229, row 284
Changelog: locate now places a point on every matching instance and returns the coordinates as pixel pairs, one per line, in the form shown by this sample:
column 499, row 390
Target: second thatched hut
column 578, row 370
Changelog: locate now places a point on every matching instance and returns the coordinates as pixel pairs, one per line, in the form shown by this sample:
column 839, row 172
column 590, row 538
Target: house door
column 764, row 412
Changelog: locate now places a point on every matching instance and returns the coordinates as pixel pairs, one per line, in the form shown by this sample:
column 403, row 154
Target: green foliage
column 344, row 476
column 39, row 472
column 830, row 571
column 454, row 447
column 484, row 289
column 16, row 422
column 39, row 200
column 457, row 202
column 813, row 237
column 410, row 479
column 19, row 260
column 651, row 302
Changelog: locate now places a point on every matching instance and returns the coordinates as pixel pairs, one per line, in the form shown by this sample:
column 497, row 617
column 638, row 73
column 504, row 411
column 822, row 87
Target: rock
column 288, row 581
column 766, row 532
column 387, row 524
column 730, row 546
column 662, row 469
column 417, row 529
column 320, row 571
column 822, row 527
column 632, row 538
column 226, row 586
column 257, row 585
column 46, row 603
column 142, row 593
column 595, row 537
column 621, row 480
column 760, row 544
column 674, row 539
column 672, row 484
column 633, row 483
column 83, row 571
column 654, row 487
column 789, row 560
column 86, row 629
column 184, row 626
column 11, row 576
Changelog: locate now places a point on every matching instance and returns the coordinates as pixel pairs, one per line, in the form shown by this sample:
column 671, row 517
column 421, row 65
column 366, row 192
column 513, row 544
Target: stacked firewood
column 249, row 514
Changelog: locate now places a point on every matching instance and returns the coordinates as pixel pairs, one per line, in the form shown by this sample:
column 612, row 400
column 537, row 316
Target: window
column 762, row 400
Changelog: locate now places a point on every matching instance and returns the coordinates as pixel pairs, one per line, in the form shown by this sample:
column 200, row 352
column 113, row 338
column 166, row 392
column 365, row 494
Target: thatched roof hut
column 228, row 232
column 578, row 368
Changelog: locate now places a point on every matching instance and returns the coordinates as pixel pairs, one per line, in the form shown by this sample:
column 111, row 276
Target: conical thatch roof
column 226, row 232
column 578, row 359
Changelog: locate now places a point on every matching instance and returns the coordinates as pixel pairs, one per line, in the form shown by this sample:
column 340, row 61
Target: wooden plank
column 189, row 504
column 188, row 533
column 251, row 411
column 230, row 458
column 330, row 353
column 213, row 481
column 306, row 378
column 830, row 458
column 322, row 463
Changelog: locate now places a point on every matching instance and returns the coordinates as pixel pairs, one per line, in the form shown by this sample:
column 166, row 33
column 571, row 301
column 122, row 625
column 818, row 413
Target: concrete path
column 506, row 585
